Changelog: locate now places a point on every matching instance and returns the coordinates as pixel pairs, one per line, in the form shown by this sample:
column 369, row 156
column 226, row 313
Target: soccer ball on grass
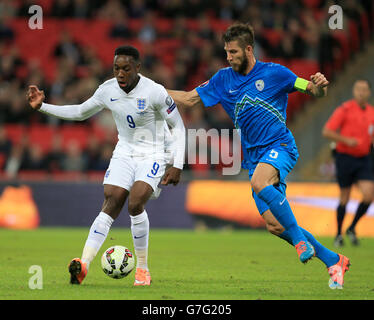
column 117, row 262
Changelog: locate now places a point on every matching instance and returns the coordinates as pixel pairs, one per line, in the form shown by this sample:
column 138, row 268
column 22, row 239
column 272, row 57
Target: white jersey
column 142, row 116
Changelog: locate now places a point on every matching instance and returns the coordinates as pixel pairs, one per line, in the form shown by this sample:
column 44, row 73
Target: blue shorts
column 282, row 157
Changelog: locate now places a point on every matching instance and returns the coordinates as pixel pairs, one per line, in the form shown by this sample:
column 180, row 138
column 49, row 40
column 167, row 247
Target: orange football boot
column 337, row 271
column 77, row 270
column 142, row 277
column 305, row 251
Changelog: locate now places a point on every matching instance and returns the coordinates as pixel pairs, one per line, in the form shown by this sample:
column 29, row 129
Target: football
column 117, row 262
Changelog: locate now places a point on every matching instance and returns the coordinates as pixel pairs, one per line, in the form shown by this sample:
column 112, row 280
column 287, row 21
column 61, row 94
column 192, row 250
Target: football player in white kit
column 143, row 112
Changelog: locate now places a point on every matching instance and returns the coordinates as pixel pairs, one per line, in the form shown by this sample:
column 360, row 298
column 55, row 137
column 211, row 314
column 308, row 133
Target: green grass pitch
column 185, row 265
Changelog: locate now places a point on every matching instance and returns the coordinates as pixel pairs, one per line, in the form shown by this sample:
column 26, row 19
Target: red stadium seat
column 95, row 176
column 354, row 35
column 343, row 40
column 304, row 68
column 34, row 175
column 365, row 26
column 15, row 132
column 312, row 4
column 219, row 25
column 68, row 176
column 42, row 135
column 2, row 161
column 78, row 133
column 163, row 25
column 273, row 36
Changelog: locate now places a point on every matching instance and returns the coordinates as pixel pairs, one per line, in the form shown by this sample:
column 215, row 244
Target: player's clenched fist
column 35, row 97
column 319, row 80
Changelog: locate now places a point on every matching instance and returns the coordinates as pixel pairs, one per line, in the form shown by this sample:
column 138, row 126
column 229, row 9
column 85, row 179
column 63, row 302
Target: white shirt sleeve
column 169, row 111
column 78, row 112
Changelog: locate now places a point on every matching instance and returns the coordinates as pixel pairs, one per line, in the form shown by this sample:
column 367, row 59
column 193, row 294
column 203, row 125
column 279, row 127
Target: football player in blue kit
column 254, row 94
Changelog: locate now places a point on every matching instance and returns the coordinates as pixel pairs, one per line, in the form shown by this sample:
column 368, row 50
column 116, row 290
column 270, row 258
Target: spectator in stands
column 17, row 112
column 149, row 57
column 68, row 48
column 193, row 7
column 148, row 32
column 23, row 8
column 34, row 158
column 109, row 10
column 82, row 9
column 102, row 163
column 10, row 62
column 92, row 153
column 8, row 8
column 205, row 31
column 73, row 158
column 137, row 9
column 120, row 28
column 5, row 147
column 62, row 8
column 180, row 75
column 55, row 155
column 6, row 32
column 329, row 51
column 225, row 10
column 16, row 158
column 179, row 30
column 172, row 8
column 78, row 65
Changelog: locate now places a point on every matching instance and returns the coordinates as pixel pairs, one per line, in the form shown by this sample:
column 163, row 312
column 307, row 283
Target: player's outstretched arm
column 77, row 112
column 186, row 99
column 317, row 86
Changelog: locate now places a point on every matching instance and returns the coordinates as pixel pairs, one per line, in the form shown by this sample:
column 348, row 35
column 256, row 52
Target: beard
column 242, row 67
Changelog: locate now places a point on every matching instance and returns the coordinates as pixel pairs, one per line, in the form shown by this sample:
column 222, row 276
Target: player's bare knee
column 257, row 185
column 135, row 207
column 274, row 229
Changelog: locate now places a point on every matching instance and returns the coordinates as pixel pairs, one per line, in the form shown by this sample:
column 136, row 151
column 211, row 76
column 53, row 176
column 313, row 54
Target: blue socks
column 328, row 257
column 293, row 234
column 280, row 208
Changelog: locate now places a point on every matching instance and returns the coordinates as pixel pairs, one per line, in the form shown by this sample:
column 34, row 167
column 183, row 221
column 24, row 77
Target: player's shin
column 96, row 237
column 140, row 235
column 281, row 209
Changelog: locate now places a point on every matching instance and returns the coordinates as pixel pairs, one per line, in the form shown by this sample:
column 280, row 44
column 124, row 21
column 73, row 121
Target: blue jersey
column 255, row 102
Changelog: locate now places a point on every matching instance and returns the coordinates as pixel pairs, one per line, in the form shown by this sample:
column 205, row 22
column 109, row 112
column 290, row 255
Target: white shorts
column 124, row 171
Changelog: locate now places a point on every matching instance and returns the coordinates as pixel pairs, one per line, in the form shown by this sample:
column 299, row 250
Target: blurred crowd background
column 181, row 47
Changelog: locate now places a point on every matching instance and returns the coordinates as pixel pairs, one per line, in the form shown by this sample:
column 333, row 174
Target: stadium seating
column 95, row 33
column 42, row 135
column 15, row 132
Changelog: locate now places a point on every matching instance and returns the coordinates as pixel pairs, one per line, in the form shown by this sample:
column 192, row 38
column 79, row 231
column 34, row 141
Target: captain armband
column 301, row 84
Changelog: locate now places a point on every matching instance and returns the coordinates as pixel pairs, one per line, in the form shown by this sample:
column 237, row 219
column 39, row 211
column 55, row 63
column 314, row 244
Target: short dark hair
column 365, row 80
column 242, row 32
column 127, row 51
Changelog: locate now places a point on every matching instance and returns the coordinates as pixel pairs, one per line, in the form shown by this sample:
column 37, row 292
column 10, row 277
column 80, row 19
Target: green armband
column 301, row 84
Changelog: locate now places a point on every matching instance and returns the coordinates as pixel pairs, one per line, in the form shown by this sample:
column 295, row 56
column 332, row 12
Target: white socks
column 100, row 229
column 140, row 235
column 96, row 237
